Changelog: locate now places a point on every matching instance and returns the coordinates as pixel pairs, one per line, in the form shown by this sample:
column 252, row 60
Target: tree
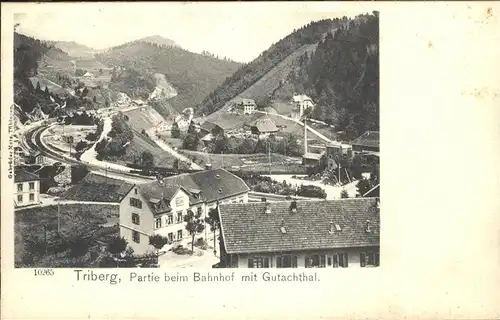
column 194, row 225
column 158, row 241
column 191, row 128
column 363, row 186
column 191, row 141
column 117, row 246
column 148, row 160
column 344, row 194
column 38, row 89
column 213, row 220
column 81, row 145
column 79, row 247
column 175, row 132
column 95, row 99
column 106, row 103
column 47, row 93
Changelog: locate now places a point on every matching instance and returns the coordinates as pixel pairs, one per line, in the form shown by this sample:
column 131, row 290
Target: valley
column 158, row 141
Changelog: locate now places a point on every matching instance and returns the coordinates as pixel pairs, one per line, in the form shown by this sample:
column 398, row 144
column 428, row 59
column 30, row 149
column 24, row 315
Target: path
column 321, row 136
column 46, row 202
column 167, row 148
column 332, row 192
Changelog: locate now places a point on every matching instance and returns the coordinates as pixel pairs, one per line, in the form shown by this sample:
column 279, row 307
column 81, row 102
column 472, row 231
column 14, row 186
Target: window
column 315, row 261
column 171, row 237
column 20, row 198
column 19, row 187
column 342, row 260
column 136, row 237
column 179, row 234
column 335, row 260
column 157, row 223
column 179, row 202
column 286, row 261
column 136, row 218
column 170, row 219
column 199, row 210
column 258, row 262
column 32, row 197
column 369, row 259
column 234, row 261
column 135, row 190
column 179, row 217
column 136, row 203
column 32, row 186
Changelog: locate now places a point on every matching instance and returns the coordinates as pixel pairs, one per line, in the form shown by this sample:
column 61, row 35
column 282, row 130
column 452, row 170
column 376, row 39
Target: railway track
column 34, row 142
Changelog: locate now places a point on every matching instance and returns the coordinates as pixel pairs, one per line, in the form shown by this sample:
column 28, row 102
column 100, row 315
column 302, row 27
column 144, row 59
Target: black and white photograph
column 164, row 142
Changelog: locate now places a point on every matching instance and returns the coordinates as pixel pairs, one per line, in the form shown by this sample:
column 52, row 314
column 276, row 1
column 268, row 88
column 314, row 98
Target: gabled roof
column 247, row 228
column 264, row 124
column 211, row 185
column 159, row 194
column 208, row 126
column 367, row 139
column 98, row 188
column 244, row 102
column 313, row 156
column 300, row 98
column 23, row 176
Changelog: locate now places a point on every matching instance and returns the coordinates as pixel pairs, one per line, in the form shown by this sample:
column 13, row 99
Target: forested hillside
column 341, row 74
column 193, row 75
column 342, row 77
column 248, row 74
column 27, row 53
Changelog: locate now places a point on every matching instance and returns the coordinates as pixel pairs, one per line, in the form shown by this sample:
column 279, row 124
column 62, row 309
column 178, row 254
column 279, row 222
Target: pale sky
column 240, row 31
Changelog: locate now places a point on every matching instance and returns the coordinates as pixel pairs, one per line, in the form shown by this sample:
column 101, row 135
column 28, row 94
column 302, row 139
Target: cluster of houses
column 261, row 234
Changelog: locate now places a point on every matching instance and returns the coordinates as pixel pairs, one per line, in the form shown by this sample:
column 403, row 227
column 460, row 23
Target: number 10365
column 43, row 272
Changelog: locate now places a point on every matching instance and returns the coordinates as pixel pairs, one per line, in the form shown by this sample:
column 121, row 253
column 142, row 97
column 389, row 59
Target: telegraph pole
column 58, row 216
column 269, row 152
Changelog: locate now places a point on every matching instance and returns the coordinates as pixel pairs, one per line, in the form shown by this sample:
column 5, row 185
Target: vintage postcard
column 178, row 147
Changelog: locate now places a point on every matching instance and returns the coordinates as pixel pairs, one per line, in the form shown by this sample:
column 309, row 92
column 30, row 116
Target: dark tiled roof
column 98, row 188
column 243, row 101
column 264, row 124
column 313, row 156
column 23, row 176
column 368, row 139
column 212, row 184
column 208, row 126
column 248, row 228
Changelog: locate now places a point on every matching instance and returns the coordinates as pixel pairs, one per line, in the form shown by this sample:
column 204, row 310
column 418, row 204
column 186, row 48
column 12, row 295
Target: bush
column 311, row 191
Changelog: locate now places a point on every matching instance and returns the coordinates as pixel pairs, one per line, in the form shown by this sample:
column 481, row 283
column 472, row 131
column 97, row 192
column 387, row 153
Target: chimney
column 268, row 208
column 368, row 227
column 293, row 206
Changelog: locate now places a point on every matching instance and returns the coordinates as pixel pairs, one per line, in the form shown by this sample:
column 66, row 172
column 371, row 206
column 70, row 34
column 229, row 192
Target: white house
column 159, row 207
column 301, row 103
column 26, row 188
column 301, row 234
column 248, row 106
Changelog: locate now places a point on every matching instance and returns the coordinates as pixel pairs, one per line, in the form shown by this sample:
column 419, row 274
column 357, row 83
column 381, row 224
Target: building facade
column 301, row 234
column 26, row 188
column 301, row 103
column 248, row 106
column 159, row 207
